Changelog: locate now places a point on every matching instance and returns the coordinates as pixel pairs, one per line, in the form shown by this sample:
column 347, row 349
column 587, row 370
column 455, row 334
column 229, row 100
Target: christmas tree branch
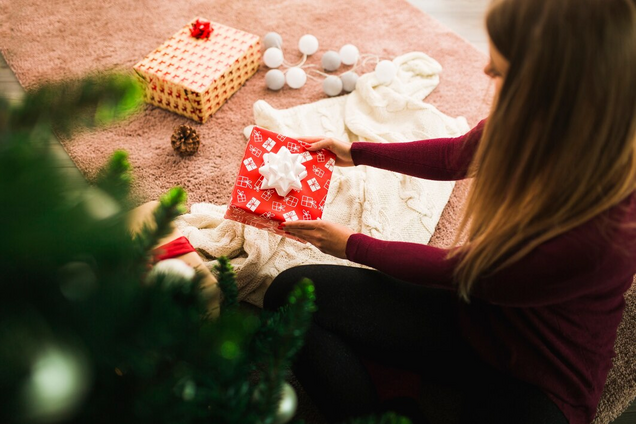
column 227, row 283
column 388, row 418
column 170, row 206
column 280, row 339
column 115, row 178
column 94, row 101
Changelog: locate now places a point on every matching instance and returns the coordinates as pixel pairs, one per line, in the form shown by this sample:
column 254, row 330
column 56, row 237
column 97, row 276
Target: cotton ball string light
column 349, row 54
column 349, row 80
column 274, row 79
column 273, row 57
column 332, row 85
column 272, row 39
column 296, row 77
column 330, row 61
column 385, row 71
column 308, row 44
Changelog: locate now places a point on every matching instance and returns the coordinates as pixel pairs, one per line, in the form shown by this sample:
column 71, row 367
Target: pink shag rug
column 58, row 39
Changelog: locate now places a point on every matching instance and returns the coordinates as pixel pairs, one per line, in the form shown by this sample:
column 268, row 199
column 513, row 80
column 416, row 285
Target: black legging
column 399, row 325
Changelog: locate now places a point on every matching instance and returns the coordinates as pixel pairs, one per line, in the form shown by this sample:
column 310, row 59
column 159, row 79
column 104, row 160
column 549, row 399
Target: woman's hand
column 341, row 149
column 327, row 236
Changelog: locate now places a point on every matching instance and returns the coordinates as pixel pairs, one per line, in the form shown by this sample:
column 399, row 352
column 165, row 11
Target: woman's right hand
column 341, row 149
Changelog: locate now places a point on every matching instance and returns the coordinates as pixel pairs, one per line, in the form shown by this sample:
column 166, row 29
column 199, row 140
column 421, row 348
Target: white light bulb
column 273, row 57
column 332, row 85
column 349, row 54
column 385, row 71
column 295, row 77
column 330, row 61
column 272, row 39
column 308, row 44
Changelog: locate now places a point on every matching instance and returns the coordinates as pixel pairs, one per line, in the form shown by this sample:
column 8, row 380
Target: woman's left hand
column 327, row 236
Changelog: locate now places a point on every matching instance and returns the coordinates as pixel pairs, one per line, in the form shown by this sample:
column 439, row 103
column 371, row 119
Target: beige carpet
column 59, row 39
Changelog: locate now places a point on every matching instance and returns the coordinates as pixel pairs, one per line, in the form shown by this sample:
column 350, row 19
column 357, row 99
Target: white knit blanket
column 379, row 203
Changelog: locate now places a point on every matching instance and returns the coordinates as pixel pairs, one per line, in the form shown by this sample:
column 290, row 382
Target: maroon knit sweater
column 549, row 319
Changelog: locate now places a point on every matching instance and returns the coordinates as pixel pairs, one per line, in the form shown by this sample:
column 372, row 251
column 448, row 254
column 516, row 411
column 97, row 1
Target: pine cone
column 185, row 140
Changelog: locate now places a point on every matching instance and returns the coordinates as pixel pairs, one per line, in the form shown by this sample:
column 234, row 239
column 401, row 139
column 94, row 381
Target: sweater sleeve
column 563, row 268
column 441, row 159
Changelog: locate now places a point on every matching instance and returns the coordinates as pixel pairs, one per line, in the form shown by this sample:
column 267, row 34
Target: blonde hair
column 560, row 144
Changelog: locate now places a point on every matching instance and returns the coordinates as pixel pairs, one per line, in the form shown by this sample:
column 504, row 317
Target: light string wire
column 362, row 61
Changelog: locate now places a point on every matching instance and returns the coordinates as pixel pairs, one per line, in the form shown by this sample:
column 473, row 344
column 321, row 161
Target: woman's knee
column 278, row 292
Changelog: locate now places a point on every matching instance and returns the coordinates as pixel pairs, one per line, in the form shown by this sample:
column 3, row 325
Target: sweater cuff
column 357, row 248
column 358, row 153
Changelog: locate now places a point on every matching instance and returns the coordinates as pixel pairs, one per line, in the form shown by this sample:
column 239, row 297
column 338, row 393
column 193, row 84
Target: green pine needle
column 116, row 177
column 279, row 340
column 93, row 101
column 227, row 283
column 170, row 206
column 388, row 418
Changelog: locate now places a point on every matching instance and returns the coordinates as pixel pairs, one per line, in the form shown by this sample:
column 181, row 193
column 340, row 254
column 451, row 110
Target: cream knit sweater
column 375, row 202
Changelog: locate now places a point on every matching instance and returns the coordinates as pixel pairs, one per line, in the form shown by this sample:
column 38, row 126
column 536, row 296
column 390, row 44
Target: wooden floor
column 465, row 17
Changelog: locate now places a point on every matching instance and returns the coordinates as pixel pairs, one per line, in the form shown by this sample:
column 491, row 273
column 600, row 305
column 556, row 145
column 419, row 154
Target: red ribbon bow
column 201, row 29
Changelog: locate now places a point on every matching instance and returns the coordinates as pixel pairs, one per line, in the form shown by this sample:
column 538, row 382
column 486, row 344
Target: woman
column 523, row 316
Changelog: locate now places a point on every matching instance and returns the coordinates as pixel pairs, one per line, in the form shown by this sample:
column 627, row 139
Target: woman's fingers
column 299, row 225
column 341, row 149
column 329, row 237
column 310, row 139
column 315, row 143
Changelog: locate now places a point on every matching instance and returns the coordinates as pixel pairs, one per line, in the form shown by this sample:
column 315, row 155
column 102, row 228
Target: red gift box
column 265, row 209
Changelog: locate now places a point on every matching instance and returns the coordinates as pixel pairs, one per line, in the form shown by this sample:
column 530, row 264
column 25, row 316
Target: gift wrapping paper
column 194, row 77
column 265, row 209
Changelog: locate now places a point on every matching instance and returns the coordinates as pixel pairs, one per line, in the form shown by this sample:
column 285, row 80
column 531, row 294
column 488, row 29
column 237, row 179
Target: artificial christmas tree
column 90, row 333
